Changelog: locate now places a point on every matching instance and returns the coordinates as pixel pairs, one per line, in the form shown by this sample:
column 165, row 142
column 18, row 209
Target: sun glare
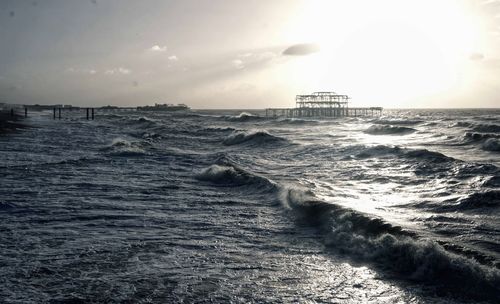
column 385, row 52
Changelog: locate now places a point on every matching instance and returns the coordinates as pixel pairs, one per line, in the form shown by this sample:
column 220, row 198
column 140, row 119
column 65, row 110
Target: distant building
column 109, row 107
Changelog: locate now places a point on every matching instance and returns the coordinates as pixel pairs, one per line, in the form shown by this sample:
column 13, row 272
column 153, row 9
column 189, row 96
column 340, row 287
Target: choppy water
column 228, row 207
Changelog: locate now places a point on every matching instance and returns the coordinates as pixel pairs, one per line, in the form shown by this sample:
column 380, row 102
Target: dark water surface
column 219, row 206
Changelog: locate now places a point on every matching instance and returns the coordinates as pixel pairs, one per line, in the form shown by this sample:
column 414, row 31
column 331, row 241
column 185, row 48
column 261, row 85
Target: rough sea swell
column 235, row 207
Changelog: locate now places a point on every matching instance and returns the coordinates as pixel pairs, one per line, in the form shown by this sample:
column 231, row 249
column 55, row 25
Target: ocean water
column 223, row 206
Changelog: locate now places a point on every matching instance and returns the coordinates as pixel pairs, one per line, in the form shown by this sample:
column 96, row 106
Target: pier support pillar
column 59, row 113
column 25, row 112
column 87, row 113
column 92, row 113
column 54, row 116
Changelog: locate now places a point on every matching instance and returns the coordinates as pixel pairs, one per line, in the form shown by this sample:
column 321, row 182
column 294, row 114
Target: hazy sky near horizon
column 250, row 53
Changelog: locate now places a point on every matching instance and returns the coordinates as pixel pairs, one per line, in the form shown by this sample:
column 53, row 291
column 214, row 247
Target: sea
column 228, row 206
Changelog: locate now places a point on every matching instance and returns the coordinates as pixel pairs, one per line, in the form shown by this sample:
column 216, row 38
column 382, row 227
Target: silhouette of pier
column 57, row 110
column 323, row 104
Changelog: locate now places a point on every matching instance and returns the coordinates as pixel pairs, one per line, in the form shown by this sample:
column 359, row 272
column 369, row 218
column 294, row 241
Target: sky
column 250, row 53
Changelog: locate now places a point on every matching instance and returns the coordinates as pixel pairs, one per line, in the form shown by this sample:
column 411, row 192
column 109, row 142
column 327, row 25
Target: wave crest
column 388, row 130
column 491, row 144
column 365, row 238
column 230, row 175
column 306, row 203
column 243, row 117
column 421, row 154
column 491, row 128
column 480, row 136
column 123, row 148
column 254, row 137
column 397, row 122
column 487, row 199
column 219, row 129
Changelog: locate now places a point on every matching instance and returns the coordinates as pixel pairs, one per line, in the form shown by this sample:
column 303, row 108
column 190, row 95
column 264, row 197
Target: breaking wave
column 232, row 175
column 462, row 124
column 219, row 129
column 380, row 150
column 253, row 137
column 123, row 148
column 488, row 141
column 371, row 239
column 319, row 211
column 145, row 120
column 243, row 117
column 388, row 130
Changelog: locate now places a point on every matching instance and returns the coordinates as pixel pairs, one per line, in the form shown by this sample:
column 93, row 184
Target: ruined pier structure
column 322, row 104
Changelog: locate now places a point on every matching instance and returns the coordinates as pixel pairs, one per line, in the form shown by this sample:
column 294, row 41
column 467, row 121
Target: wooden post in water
column 92, row 113
column 25, row 112
column 12, row 112
column 54, row 113
column 59, row 113
column 87, row 113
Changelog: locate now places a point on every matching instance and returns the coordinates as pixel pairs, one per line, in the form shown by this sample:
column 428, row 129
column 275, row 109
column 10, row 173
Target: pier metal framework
column 322, row 104
column 322, row 100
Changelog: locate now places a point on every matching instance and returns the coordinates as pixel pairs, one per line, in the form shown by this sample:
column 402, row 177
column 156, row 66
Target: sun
column 389, row 53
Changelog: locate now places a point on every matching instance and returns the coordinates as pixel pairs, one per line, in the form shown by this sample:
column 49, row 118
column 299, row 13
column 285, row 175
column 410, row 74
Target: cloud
column 86, row 71
column 124, row 71
column 250, row 60
column 120, row 70
column 262, row 56
column 157, row 48
column 238, row 64
column 245, row 55
column 173, row 58
column 257, row 56
column 302, row 49
column 81, row 71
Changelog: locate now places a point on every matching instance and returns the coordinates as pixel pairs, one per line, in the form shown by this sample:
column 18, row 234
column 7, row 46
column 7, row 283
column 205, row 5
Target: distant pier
column 322, row 104
column 58, row 109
